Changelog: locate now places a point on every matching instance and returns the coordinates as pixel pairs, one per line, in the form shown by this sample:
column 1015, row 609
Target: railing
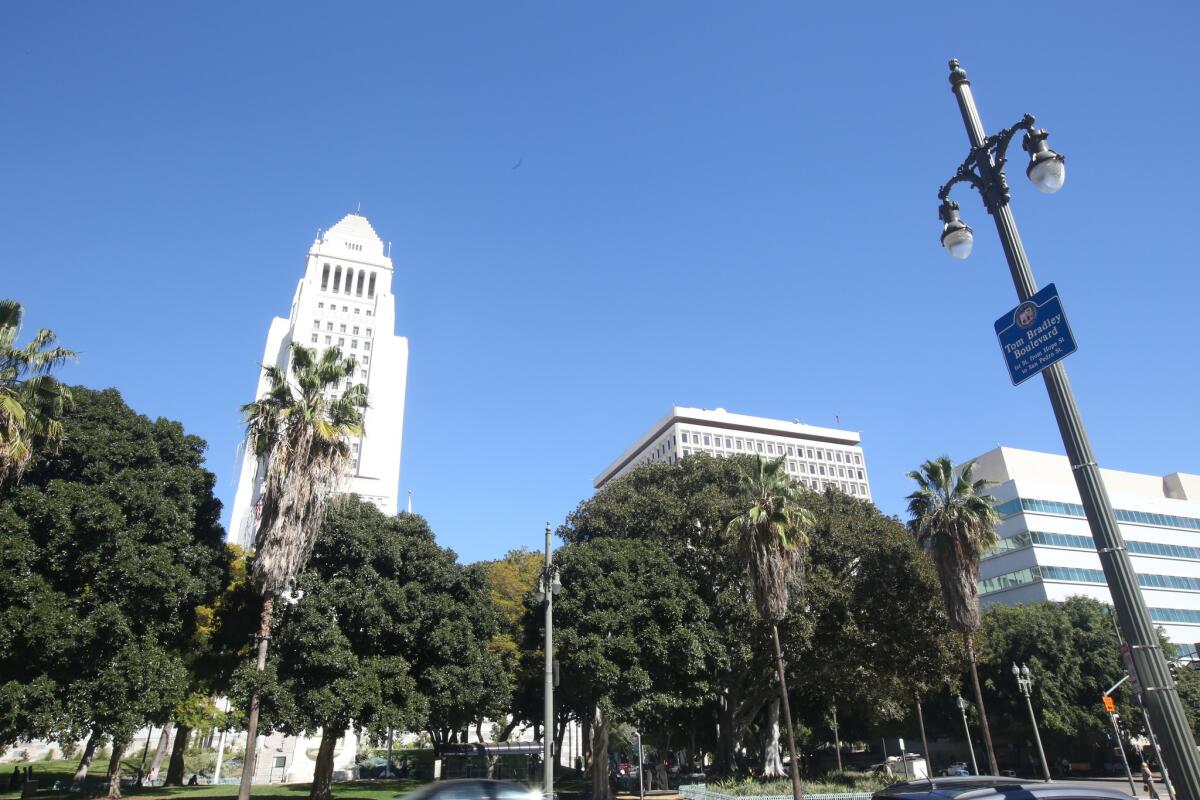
column 699, row 791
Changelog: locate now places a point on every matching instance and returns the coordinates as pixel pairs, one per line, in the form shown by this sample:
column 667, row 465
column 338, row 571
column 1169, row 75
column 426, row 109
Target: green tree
column 866, row 623
column 633, row 637
column 300, row 431
column 107, row 548
column 31, row 399
column 345, row 652
column 459, row 671
column 772, row 534
column 954, row 519
column 512, row 580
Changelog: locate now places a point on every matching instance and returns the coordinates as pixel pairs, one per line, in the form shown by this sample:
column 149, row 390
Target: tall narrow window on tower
column 376, row 471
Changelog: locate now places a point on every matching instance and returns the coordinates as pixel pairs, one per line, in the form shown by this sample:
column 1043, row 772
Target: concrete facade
column 816, row 457
column 1046, row 550
column 343, row 300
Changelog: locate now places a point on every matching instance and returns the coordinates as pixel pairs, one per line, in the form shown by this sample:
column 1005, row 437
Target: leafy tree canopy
column 107, row 549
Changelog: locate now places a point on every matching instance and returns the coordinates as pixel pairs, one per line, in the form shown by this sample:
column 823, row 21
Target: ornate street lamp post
column 984, row 170
column 1025, row 683
column 962, row 709
column 548, row 586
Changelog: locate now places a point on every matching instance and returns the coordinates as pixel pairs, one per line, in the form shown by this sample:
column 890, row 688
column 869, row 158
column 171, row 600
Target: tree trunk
column 264, row 637
column 772, row 764
column 559, row 733
column 983, row 723
column 508, row 728
column 114, row 770
column 586, row 736
column 924, row 741
column 837, row 738
column 797, row 789
column 479, row 730
column 175, row 766
column 727, row 737
column 323, row 772
column 89, row 750
column 160, row 752
column 600, row 787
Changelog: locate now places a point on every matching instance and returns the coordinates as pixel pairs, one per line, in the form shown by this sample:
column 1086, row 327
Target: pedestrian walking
column 1148, row 781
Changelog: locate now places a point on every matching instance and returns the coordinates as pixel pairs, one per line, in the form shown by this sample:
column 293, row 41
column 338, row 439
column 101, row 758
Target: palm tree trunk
column 264, row 636
column 114, row 770
column 797, row 789
column 983, row 723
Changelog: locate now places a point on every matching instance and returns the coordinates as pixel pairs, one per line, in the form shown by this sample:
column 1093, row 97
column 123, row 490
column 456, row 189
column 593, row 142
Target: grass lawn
column 47, row 773
column 569, row 786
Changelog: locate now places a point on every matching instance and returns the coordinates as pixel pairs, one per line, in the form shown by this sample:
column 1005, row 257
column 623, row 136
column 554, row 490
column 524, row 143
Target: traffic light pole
column 1121, row 749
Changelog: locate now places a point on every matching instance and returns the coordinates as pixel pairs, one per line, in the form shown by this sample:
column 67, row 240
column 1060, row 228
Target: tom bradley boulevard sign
column 1035, row 335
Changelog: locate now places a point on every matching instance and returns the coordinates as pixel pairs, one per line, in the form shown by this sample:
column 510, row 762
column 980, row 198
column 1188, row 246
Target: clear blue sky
column 717, row 205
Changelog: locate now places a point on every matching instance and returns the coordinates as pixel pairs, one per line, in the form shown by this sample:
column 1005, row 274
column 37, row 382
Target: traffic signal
column 1109, row 705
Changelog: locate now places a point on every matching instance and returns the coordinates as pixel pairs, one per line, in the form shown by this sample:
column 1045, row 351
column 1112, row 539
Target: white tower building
column 344, row 300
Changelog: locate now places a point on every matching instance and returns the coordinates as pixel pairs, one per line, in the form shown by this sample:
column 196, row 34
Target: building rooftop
column 720, row 418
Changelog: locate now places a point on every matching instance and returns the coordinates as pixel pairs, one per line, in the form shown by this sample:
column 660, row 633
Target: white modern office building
column 817, row 457
column 343, row 300
column 1046, row 550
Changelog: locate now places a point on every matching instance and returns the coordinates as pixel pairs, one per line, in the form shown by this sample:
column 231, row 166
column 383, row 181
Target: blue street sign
column 1035, row 335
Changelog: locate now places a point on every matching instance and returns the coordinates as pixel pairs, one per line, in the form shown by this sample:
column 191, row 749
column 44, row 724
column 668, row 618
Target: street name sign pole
column 1161, row 697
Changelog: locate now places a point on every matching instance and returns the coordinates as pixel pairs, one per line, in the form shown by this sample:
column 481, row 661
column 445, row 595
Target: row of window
column 1007, row 509
column 341, row 327
column 795, row 469
column 1075, row 542
column 341, row 342
column 765, row 446
column 349, row 285
column 1028, row 575
column 345, row 309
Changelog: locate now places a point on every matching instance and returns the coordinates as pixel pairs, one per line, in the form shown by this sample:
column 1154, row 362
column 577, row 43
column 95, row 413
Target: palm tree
column 954, row 519
column 31, row 400
column 772, row 535
column 299, row 431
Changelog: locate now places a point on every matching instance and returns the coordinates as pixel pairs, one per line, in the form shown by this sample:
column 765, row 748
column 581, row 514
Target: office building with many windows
column 344, row 300
column 1046, row 550
column 817, row 457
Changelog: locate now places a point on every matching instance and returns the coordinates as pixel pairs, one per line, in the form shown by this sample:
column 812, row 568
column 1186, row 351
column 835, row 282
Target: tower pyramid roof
column 354, row 226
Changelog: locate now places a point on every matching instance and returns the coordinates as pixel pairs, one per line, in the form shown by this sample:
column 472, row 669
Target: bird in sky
column 519, row 162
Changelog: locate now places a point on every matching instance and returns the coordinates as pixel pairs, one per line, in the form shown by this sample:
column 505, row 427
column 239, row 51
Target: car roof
column 981, row 787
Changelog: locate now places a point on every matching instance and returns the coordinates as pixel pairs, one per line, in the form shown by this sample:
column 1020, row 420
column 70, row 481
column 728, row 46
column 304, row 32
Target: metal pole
column 1037, row 737
column 548, row 710
column 1163, row 702
column 924, row 741
column 1157, row 749
column 962, row 707
column 641, row 771
column 1121, row 750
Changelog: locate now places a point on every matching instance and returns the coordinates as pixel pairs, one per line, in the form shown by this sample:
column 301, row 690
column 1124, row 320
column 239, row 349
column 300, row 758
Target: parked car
column 472, row 789
column 957, row 769
column 993, row 787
